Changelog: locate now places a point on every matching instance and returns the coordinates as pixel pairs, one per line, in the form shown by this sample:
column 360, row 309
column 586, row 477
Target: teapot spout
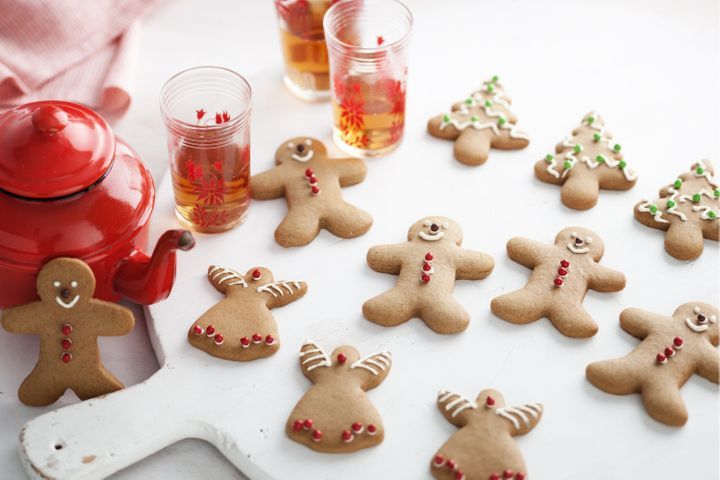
column 146, row 280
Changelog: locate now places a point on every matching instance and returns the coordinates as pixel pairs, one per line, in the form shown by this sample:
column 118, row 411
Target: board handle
column 98, row 437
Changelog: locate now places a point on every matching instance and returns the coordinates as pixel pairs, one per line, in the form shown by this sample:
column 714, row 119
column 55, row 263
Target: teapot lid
column 53, row 149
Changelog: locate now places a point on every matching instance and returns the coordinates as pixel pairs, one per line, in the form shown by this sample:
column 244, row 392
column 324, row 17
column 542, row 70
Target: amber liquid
column 211, row 186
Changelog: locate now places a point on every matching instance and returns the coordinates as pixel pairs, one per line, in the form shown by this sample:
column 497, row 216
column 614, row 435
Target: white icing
column 308, row 142
column 426, row 223
column 222, row 275
column 696, row 309
column 306, row 157
column 431, row 237
column 702, row 192
column 520, row 414
column 274, row 288
column 695, row 327
column 574, row 249
column 69, row 304
column 456, row 406
column 706, row 173
column 73, row 284
column 56, row 284
column 513, row 413
column 672, row 210
column 705, row 211
column 321, row 359
column 363, row 362
column 504, row 414
column 657, row 216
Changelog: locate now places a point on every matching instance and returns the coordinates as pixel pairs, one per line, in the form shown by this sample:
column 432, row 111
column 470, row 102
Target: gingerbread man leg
column 662, row 400
column 299, row 228
column 618, row 376
column 37, row 391
column 472, row 147
column 518, row 307
column 572, row 320
column 96, row 383
column 444, row 315
column 390, row 308
column 684, row 240
column 580, row 191
column 347, row 221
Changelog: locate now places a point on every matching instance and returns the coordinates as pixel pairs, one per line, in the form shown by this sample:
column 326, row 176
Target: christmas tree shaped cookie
column 481, row 122
column 585, row 162
column 687, row 209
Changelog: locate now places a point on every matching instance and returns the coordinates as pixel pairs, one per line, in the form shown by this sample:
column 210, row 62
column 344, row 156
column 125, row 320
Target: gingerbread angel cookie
column 562, row 274
column 311, row 183
column 240, row 327
column 481, row 122
column 483, row 448
column 672, row 350
column 335, row 415
column 688, row 209
column 427, row 265
column 584, row 163
column 68, row 320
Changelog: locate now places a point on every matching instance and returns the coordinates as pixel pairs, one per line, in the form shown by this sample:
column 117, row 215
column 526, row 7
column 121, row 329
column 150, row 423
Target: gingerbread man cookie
column 427, row 265
column 68, row 320
column 335, row 415
column 311, row 183
column 584, row 163
column 562, row 274
column 688, row 209
column 240, row 327
column 672, row 350
column 481, row 122
column 483, row 448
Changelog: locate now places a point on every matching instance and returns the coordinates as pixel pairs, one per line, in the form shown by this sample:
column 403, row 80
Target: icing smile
column 579, row 245
column 69, row 304
column 303, row 152
column 701, row 321
column 435, row 232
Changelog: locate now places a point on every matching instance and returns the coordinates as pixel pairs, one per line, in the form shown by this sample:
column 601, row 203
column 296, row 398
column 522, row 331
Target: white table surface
column 242, row 35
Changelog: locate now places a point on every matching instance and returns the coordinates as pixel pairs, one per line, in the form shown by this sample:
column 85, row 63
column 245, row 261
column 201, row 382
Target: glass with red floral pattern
column 367, row 44
column 206, row 111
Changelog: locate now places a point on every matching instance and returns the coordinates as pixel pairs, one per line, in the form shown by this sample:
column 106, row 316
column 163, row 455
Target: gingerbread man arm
column 520, row 419
column 116, row 319
column 639, row 323
column 313, row 359
column 471, row 265
column 282, row 292
column 26, row 318
column 350, row 171
column 268, row 185
column 603, row 279
column 526, row 252
column 372, row 369
column 455, row 408
column 709, row 365
column 386, row 258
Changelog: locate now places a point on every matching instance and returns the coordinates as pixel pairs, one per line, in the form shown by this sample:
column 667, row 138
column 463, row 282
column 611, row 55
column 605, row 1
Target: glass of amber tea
column 206, row 111
column 367, row 45
column 303, row 45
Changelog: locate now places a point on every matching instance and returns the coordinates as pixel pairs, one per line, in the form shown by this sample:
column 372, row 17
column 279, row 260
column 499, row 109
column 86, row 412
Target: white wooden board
column 652, row 77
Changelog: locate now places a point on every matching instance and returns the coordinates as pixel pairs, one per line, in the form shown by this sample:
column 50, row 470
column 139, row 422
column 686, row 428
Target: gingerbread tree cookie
column 68, row 320
column 335, row 415
column 311, row 183
column 688, row 209
column 672, row 350
column 483, row 448
column 481, row 122
column 240, row 327
column 562, row 274
column 584, row 163
column 427, row 265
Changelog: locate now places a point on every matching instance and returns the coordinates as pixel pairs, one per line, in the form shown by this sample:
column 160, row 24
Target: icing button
column 508, row 473
column 66, row 357
column 564, row 263
column 347, row 436
column 660, row 358
column 210, row 330
column 558, row 282
column 669, row 352
column 678, row 343
column 67, row 329
column 357, row 427
column 428, row 257
column 66, row 343
column 439, row 460
column 341, row 358
column 317, row 435
column 307, row 424
column 198, row 330
column 494, row 476
column 297, row 425
column 219, row 339
column 489, row 401
column 256, row 274
column 245, row 342
column 257, row 338
column 371, row 429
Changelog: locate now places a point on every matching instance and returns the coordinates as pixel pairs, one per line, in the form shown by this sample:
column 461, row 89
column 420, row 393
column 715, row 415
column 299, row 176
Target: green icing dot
column 622, row 164
column 501, row 121
column 653, row 209
column 717, row 193
column 488, row 103
column 577, row 148
column 696, row 198
column 670, row 204
column 567, row 165
column 446, row 118
column 596, row 137
column 550, row 157
column 494, row 79
column 699, row 170
column 469, row 101
column 590, row 120
column 490, row 87
column 617, row 147
column 678, row 183
column 711, row 214
column 600, row 159
column 474, row 118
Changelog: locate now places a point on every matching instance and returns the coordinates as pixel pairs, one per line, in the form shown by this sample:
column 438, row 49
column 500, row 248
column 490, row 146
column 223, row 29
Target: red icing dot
column 341, row 358
column 558, row 282
column 678, row 342
column 669, row 352
column 519, row 476
column 309, row 172
column 245, row 341
column 508, row 473
column 219, row 339
column 494, row 476
column 67, row 329
column 257, row 338
column 356, row 427
column 562, row 272
column 66, row 343
column 428, row 256
column 297, row 425
column 439, row 460
column 425, row 278
column 371, row 429
column 317, row 435
column 660, row 358
column 347, row 436
column 66, row 357
column 308, row 423
column 256, row 274
column 313, row 179
column 269, row 340
column 210, row 330
column 564, row 263
column 459, row 475
column 315, row 189
column 489, row 401
column 450, row 464
column 426, row 267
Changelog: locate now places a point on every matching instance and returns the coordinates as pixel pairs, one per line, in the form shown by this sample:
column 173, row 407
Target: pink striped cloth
column 78, row 50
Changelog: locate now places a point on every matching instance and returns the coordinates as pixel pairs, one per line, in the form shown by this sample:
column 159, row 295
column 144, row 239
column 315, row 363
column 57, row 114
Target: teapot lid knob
column 49, row 119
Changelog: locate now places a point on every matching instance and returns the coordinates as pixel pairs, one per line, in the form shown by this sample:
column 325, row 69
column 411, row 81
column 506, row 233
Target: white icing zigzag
column 222, row 275
column 456, row 406
column 317, row 356
column 373, row 363
column 274, row 289
column 512, row 414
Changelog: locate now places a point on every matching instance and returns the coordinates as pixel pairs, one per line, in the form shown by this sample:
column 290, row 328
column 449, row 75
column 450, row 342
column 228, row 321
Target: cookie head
column 299, row 150
column 65, row 282
column 581, row 241
column 344, row 356
column 435, row 230
column 701, row 318
column 258, row 276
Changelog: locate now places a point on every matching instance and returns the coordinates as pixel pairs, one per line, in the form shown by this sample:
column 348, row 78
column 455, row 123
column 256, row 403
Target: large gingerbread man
column 311, row 183
column 68, row 320
column 672, row 350
column 427, row 265
column 483, row 121
column 483, row 448
column 584, row 163
column 240, row 327
column 335, row 415
column 562, row 274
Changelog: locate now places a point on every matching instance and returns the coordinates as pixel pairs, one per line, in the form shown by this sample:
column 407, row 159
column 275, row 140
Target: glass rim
column 329, row 35
column 235, row 122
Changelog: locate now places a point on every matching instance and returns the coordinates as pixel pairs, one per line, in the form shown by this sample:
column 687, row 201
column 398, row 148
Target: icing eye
column 290, row 145
column 73, row 284
column 701, row 319
column 445, row 225
column 588, row 240
column 308, row 142
column 427, row 223
column 573, row 235
column 56, row 283
column 713, row 318
column 696, row 309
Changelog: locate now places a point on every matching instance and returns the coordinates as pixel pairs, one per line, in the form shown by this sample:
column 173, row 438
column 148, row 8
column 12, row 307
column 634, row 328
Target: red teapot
column 69, row 187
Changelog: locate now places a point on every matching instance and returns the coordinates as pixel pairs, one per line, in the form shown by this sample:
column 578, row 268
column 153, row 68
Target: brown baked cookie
column 68, row 320
column 311, row 183
column 562, row 274
column 427, row 265
column 688, row 209
column 240, row 327
column 483, row 448
column 672, row 350
column 335, row 415
column 481, row 122
column 584, row 163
